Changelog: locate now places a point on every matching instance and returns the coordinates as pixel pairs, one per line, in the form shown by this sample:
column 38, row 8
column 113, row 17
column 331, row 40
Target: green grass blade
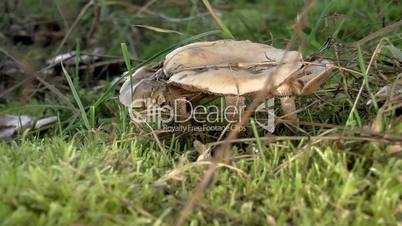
column 77, row 58
column 257, row 137
column 92, row 116
column 126, row 55
column 77, row 98
column 365, row 77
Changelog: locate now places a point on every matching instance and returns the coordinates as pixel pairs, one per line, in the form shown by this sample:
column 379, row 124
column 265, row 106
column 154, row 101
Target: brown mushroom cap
column 314, row 75
column 307, row 80
column 141, row 85
column 229, row 67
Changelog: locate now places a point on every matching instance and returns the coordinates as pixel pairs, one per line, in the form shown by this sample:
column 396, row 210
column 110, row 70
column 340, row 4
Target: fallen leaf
column 397, row 53
column 69, row 59
column 45, row 122
column 10, row 125
column 385, row 92
column 202, row 149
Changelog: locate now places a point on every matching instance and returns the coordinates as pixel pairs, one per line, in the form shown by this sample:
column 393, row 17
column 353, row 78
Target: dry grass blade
column 370, row 137
column 173, row 174
column 158, row 29
column 59, row 10
column 217, row 19
column 57, row 93
column 155, row 136
column 376, row 53
column 129, row 7
column 145, row 7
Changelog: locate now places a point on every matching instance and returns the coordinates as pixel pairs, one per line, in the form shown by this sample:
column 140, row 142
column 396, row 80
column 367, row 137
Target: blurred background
column 36, row 31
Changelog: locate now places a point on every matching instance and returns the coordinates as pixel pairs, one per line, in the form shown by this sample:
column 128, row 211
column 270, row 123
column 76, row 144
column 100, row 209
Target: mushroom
column 236, row 70
column 308, row 79
column 142, row 88
column 241, row 69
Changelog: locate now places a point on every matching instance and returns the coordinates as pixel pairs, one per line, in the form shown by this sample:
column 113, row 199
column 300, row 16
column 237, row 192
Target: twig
column 369, row 137
column 86, row 7
column 378, row 33
column 183, row 19
column 145, row 7
column 176, row 172
column 61, row 14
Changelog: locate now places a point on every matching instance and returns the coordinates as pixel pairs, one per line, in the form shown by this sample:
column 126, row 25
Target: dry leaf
column 69, row 59
column 397, row 53
column 11, row 124
column 203, row 150
column 385, row 92
column 45, row 122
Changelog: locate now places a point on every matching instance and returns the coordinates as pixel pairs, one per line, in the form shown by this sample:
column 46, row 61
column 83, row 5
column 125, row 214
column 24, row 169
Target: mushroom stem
column 182, row 115
column 234, row 107
column 289, row 109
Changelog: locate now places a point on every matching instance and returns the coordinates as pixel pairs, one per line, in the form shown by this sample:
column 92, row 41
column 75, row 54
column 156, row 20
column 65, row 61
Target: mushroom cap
column 307, row 80
column 314, row 75
column 229, row 67
column 140, row 86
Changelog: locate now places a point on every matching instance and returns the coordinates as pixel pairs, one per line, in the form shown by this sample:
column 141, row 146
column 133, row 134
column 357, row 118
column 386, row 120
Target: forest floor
column 94, row 167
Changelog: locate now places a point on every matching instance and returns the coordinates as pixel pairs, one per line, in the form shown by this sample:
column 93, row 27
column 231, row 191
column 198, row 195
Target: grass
column 89, row 181
column 77, row 98
column 94, row 168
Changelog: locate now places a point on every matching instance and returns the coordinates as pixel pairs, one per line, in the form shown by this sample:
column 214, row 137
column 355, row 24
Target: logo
column 212, row 117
